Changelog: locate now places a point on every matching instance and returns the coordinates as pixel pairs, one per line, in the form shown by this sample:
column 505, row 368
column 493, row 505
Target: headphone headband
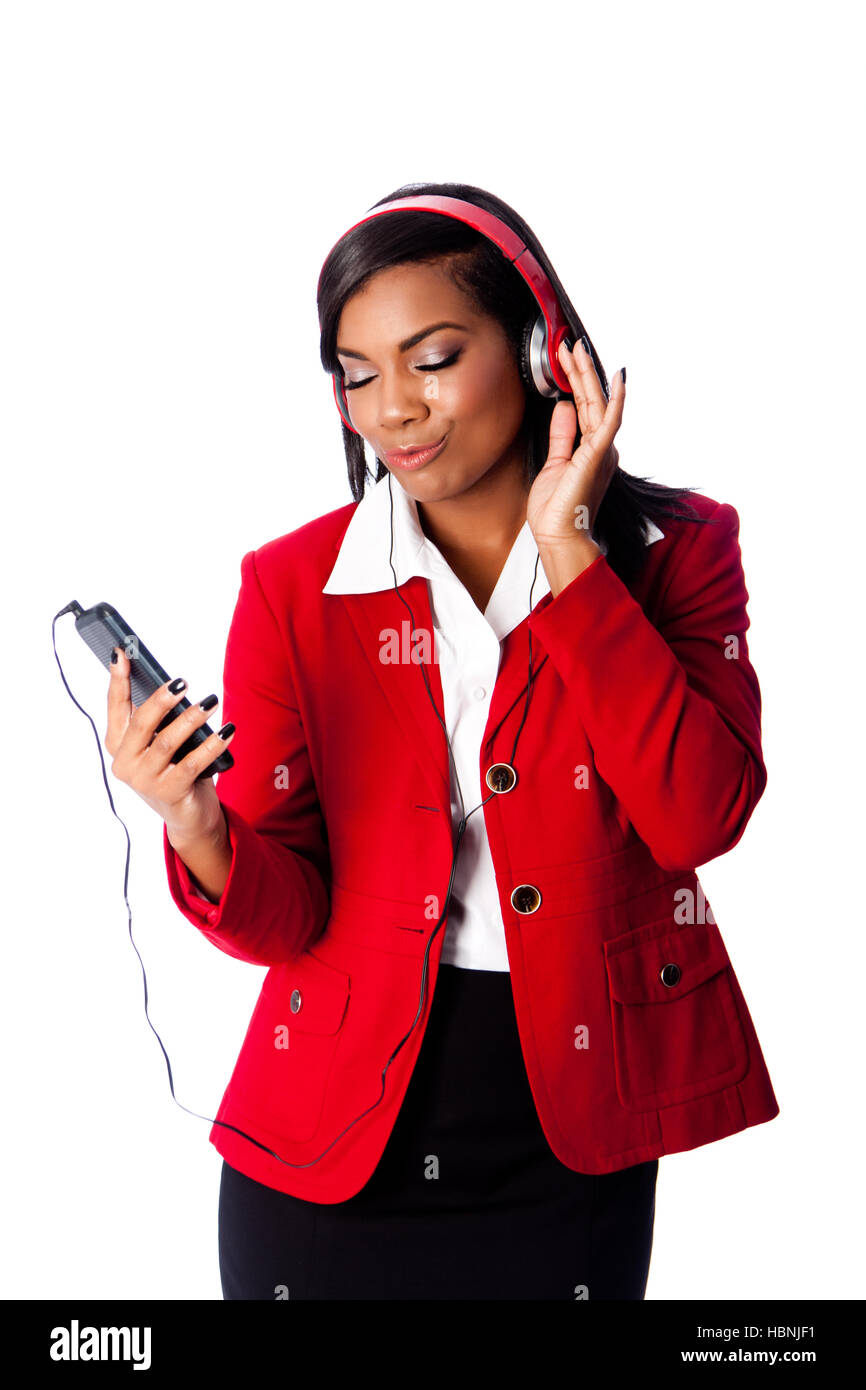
column 543, row 365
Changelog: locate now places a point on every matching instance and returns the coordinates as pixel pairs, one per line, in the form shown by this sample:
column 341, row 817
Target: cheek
column 488, row 391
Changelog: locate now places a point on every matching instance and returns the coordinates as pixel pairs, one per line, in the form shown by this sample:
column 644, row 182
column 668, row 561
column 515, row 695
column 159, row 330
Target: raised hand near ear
column 565, row 497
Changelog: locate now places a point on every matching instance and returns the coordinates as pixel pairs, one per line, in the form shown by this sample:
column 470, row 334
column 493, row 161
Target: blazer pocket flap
column 658, row 963
column 312, row 995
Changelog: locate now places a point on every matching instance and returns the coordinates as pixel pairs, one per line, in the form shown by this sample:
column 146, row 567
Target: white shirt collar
column 363, row 566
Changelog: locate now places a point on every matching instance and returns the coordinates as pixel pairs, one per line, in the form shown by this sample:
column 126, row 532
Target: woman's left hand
column 565, row 497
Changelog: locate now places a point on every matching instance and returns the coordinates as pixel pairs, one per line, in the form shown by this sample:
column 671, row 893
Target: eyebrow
column 407, row 343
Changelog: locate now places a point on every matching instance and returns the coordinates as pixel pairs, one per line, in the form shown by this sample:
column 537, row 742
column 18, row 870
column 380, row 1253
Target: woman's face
column 408, row 386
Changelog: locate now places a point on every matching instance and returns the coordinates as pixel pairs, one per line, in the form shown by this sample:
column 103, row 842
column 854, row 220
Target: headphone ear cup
column 535, row 365
column 525, row 360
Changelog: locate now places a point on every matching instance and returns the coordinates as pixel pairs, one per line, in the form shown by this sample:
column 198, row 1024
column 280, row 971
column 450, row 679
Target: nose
column 401, row 400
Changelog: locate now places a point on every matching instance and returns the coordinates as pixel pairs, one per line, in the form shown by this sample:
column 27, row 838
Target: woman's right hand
column 141, row 757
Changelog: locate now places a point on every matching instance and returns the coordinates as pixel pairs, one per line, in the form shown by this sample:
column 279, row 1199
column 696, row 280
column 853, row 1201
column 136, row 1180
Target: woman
column 496, row 991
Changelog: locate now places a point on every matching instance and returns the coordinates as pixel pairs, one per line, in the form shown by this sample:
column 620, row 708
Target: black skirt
column 468, row 1200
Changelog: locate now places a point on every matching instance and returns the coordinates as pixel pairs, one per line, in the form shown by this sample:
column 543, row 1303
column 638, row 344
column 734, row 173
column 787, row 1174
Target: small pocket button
column 670, row 975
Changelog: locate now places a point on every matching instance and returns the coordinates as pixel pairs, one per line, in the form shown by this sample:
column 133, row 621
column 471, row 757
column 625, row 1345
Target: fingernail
column 209, row 701
column 114, row 656
column 226, row 730
column 585, row 345
column 177, row 686
column 622, row 374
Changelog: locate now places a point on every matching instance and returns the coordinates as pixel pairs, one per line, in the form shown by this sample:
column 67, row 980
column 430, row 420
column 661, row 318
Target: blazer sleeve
column 673, row 711
column 276, row 898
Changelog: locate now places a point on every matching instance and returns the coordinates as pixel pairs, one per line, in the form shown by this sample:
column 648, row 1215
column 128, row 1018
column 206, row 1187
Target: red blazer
column 635, row 1035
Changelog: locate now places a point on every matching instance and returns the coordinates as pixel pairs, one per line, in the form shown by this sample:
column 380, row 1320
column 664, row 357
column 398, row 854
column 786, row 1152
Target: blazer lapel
column 378, row 615
column 511, row 683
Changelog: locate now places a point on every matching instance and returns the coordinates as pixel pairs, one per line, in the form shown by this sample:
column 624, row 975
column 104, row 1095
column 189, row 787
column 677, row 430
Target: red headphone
column 539, row 360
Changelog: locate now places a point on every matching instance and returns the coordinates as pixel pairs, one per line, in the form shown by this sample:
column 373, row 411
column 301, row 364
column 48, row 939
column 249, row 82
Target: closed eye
column 425, row 367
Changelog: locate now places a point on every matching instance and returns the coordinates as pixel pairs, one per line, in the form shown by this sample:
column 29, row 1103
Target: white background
column 173, row 176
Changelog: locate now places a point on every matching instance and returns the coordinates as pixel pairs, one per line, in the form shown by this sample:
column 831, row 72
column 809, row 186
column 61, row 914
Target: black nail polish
column 622, row 369
column 114, row 656
column 177, row 686
column 226, row 730
column 585, row 345
column 209, row 701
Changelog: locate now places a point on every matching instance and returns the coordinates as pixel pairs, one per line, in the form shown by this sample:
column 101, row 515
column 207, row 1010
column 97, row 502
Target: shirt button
column 501, row 777
column 670, row 974
column 295, row 1001
column 479, row 692
column 211, row 914
column 525, row 898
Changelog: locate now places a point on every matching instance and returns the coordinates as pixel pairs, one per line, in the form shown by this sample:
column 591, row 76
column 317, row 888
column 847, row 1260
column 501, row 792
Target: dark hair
column 495, row 288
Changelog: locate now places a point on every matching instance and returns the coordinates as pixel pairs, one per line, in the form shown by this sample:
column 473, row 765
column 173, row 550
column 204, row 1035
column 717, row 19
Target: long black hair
column 495, row 288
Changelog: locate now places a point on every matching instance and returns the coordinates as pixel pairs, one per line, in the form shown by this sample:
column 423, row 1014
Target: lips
column 414, row 457
column 417, row 448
